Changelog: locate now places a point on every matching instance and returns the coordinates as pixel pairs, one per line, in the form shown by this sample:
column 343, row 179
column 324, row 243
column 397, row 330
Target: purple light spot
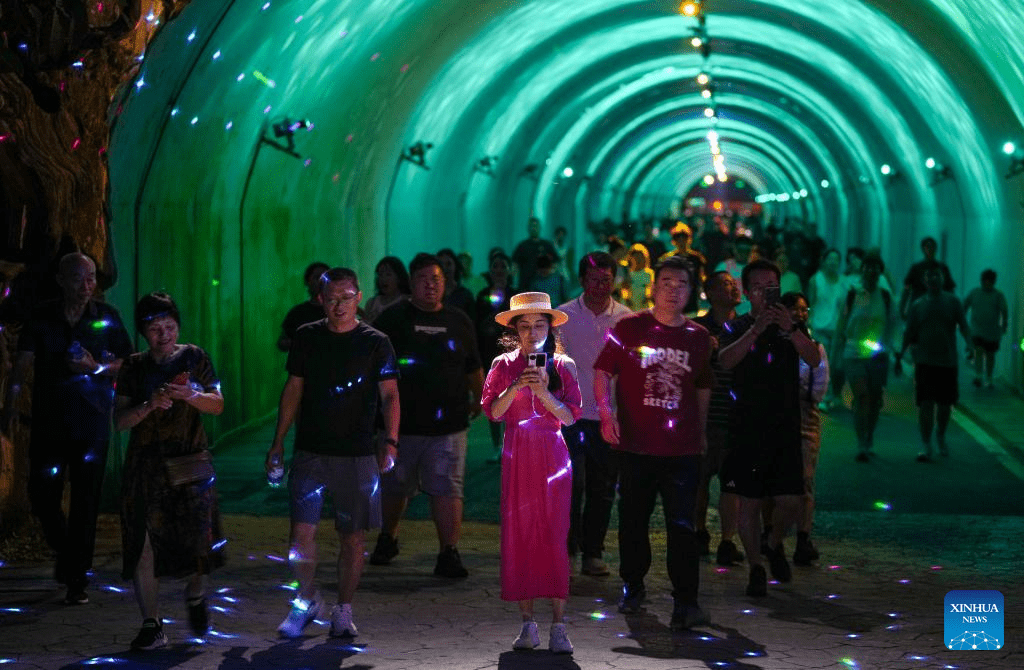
column 904, row 581
column 769, row 358
column 721, row 571
column 835, row 567
column 276, row 559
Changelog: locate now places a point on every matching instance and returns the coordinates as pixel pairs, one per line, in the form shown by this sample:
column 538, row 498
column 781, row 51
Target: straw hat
column 531, row 303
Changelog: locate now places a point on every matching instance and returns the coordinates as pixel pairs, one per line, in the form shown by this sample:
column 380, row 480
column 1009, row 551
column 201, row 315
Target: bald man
column 75, row 344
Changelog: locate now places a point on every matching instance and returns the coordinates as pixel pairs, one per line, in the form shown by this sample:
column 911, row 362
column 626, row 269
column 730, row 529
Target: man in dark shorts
column 337, row 369
column 76, row 345
column 763, row 349
column 441, row 386
column 661, row 363
column 932, row 321
column 915, row 285
column 305, row 312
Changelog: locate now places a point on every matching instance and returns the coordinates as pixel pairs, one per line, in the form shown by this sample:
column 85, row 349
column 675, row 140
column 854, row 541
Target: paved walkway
column 875, row 601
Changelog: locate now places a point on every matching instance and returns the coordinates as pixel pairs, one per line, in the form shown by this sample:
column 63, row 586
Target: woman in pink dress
column 533, row 389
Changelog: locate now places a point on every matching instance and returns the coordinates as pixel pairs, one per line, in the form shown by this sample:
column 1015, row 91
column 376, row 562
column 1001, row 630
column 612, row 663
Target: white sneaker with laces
column 528, row 638
column 558, row 641
column 301, row 615
column 341, row 621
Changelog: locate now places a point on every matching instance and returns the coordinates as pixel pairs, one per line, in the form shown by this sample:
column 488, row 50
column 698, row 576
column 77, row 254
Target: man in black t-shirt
column 529, row 251
column 441, row 384
column 914, row 285
column 305, row 312
column 75, row 346
column 763, row 349
column 337, row 369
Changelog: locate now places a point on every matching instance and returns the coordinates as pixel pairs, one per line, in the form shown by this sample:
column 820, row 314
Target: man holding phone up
column 763, row 349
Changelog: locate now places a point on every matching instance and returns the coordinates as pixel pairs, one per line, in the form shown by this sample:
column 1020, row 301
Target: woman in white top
column 825, row 292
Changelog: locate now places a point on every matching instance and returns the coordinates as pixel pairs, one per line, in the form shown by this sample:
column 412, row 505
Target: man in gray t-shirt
column 932, row 321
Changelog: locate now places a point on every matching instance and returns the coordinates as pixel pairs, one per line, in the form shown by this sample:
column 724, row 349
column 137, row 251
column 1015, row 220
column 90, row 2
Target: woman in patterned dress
column 167, row 530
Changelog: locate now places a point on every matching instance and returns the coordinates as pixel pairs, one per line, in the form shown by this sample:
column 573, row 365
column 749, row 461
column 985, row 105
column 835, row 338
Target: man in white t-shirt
column 595, row 474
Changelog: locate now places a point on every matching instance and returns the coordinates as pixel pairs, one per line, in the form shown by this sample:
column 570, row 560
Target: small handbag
column 190, row 468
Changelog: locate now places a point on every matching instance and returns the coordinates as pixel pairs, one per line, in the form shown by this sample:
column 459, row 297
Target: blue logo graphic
column 974, row 620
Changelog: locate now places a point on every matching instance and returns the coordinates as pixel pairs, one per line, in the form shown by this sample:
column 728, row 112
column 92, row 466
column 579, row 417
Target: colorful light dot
column 882, row 505
column 374, row 57
column 228, row 125
column 216, row 54
column 191, row 36
column 298, row 18
column 174, row 112
column 265, row 7
column 195, row 120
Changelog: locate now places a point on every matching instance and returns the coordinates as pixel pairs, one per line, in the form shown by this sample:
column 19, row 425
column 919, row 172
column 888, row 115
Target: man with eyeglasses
column 763, row 349
column 337, row 369
column 441, row 384
column 594, row 472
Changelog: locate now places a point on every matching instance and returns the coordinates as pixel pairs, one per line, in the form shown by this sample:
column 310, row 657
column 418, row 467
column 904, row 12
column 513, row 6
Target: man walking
column 76, row 345
column 932, row 321
column 660, row 361
column 763, row 349
column 440, row 366
column 337, row 368
column 594, row 473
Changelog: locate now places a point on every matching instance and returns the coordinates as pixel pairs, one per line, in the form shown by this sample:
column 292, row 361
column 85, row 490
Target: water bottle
column 275, row 477
column 76, row 351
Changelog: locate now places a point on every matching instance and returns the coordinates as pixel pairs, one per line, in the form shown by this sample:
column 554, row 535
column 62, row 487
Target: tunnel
column 259, row 136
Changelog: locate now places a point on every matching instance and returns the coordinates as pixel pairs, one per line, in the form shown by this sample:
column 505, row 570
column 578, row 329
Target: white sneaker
column 341, row 622
column 528, row 638
column 301, row 615
column 558, row 642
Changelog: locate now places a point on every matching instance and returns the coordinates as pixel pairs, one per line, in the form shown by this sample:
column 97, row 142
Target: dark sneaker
column 632, row 598
column 151, row 636
column 449, row 564
column 757, row 587
column 862, row 457
column 704, row 541
column 779, row 565
column 198, row 616
column 924, row 457
column 385, row 551
column 805, row 552
column 685, row 617
column 728, row 554
column 76, row 596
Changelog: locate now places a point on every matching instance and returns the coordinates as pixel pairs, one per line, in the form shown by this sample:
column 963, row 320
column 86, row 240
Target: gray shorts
column 352, row 481
column 434, row 464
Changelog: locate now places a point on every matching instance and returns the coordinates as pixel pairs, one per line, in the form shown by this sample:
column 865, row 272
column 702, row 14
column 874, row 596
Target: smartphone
column 537, row 360
column 771, row 295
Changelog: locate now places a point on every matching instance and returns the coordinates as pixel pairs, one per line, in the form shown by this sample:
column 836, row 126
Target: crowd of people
column 700, row 349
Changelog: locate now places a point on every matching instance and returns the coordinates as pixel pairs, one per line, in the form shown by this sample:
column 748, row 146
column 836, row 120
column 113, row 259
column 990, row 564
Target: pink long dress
column 536, row 483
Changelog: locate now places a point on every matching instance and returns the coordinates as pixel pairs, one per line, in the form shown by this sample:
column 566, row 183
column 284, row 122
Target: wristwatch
column 392, row 441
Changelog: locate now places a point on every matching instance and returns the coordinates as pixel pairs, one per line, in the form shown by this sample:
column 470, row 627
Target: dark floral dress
column 183, row 522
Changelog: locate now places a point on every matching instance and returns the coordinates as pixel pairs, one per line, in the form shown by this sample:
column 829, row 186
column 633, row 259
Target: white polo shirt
column 583, row 337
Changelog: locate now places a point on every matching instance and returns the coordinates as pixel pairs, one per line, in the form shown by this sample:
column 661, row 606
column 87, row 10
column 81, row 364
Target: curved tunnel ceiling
column 510, row 93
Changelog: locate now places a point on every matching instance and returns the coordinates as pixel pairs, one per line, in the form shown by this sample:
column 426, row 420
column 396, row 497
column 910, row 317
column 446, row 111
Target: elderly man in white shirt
column 595, row 473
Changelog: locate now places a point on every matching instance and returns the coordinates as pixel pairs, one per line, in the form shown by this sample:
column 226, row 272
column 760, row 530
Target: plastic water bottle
column 275, row 477
column 76, row 351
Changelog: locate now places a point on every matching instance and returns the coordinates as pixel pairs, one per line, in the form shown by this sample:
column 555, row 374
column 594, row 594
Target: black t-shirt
column 300, row 315
column 766, row 383
column 340, row 373
column 436, row 351
column 66, row 402
column 720, row 409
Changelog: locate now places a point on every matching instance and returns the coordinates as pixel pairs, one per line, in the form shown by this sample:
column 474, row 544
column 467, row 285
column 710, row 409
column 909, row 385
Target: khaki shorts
column 434, row 464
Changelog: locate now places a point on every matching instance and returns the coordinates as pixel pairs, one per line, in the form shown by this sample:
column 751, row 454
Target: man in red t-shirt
column 661, row 361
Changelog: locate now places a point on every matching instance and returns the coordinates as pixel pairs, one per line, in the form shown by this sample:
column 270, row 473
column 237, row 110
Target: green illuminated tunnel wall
column 209, row 203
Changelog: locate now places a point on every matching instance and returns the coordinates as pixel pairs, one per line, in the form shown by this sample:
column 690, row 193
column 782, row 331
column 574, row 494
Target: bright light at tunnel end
column 1009, row 148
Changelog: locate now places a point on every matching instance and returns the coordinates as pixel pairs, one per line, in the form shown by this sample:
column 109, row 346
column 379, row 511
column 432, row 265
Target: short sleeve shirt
column 766, row 382
column 583, row 337
column 65, row 402
column 659, row 369
column 931, row 328
column 436, row 353
column 340, row 373
column 720, row 409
